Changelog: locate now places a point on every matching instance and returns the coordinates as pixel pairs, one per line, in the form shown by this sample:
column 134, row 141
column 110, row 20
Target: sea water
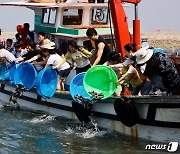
column 25, row 131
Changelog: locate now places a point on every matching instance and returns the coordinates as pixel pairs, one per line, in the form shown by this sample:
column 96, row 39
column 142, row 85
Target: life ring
column 126, row 111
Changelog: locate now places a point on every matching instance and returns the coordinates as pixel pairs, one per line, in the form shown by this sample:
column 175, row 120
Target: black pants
column 83, row 69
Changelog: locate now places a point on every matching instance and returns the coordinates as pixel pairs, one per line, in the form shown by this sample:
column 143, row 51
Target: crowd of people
column 141, row 71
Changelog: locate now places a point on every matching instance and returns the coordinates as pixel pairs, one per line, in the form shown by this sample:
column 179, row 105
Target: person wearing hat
column 40, row 60
column 32, row 52
column 52, row 60
column 158, row 68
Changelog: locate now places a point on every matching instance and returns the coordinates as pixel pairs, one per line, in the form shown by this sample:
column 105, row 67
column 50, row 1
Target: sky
column 154, row 15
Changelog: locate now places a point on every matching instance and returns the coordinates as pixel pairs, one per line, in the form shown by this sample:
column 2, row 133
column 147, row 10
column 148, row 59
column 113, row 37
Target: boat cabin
column 65, row 21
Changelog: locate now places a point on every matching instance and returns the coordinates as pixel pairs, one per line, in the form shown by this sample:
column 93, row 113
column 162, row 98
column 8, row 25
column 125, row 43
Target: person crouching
column 52, row 60
column 159, row 69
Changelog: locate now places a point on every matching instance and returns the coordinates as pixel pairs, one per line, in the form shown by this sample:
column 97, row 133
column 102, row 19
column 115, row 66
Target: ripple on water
column 36, row 132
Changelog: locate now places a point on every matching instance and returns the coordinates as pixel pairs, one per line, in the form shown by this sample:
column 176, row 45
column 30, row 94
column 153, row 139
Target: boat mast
column 120, row 23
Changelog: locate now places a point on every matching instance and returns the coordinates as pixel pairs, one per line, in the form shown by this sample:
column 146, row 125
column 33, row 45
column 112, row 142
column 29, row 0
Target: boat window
column 72, row 16
column 49, row 16
column 99, row 16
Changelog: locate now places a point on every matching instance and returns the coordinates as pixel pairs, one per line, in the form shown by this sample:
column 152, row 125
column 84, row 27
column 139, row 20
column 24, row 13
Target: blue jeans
column 144, row 87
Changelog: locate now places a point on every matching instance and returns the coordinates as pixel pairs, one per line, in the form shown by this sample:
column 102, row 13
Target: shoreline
column 168, row 40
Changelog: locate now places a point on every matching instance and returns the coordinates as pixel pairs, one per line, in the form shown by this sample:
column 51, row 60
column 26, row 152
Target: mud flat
column 7, row 35
column 159, row 39
column 163, row 39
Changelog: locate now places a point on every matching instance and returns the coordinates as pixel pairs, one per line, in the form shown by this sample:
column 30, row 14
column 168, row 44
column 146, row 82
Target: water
column 29, row 132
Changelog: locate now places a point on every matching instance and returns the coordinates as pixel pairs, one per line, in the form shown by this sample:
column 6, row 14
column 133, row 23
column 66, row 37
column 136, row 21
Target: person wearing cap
column 102, row 50
column 40, row 59
column 159, row 69
column 52, row 60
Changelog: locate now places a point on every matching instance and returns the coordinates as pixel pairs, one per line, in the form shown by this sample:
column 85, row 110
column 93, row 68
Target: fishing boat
column 154, row 118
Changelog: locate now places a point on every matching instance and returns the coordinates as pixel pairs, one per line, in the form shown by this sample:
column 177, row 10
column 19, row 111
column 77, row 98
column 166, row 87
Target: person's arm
column 120, row 65
column 86, row 52
column 34, row 58
column 127, row 76
column 143, row 78
column 122, row 78
column 49, row 62
column 93, row 56
column 47, row 65
column 20, row 59
column 40, row 63
column 2, row 60
column 99, row 53
column 67, row 56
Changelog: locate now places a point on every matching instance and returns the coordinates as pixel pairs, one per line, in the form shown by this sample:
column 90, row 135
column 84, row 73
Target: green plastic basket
column 100, row 82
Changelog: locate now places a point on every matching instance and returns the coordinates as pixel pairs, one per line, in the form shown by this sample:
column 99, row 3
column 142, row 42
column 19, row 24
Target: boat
column 155, row 118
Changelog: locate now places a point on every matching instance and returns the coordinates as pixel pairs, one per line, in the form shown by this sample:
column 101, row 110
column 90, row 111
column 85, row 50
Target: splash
column 42, row 119
column 84, row 130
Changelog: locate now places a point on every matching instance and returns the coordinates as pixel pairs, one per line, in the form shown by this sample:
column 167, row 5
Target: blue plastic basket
column 27, row 75
column 5, row 76
column 2, row 68
column 4, row 73
column 76, row 87
column 46, row 82
column 11, row 71
column 156, row 50
column 14, row 76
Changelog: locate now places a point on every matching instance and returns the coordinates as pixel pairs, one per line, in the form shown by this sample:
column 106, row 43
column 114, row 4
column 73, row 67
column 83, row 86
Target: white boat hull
column 159, row 116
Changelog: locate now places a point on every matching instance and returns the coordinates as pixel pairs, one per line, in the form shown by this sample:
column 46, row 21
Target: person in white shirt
column 52, row 60
column 5, row 55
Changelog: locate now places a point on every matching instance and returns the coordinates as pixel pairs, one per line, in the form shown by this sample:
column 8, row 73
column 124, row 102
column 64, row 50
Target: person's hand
column 134, row 64
column 119, row 82
column 72, row 66
column 112, row 66
column 54, row 67
column 35, row 63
